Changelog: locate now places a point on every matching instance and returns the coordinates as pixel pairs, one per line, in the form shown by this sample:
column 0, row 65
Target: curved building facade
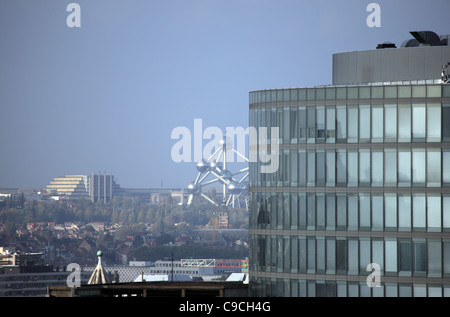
column 360, row 202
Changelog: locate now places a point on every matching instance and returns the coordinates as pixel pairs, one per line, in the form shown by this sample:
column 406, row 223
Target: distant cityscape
column 43, row 230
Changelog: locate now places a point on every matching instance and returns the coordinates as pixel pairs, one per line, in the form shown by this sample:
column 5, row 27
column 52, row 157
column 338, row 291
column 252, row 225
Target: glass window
column 446, row 255
column 391, row 289
column 434, row 91
column 434, row 167
column 320, row 250
column 341, row 167
column 377, row 168
column 311, row 256
column 377, row 253
column 390, row 211
column 352, row 205
column 390, row 250
column 286, row 95
column 341, row 211
column 446, row 211
column 404, row 168
column 433, row 122
column 390, row 167
column 320, row 168
column 310, row 124
column 364, row 123
column 330, row 168
column 377, row 213
column 377, row 92
column 331, row 211
column 294, row 167
column 302, row 211
column 279, row 95
column 311, row 169
column 294, row 211
column 311, row 215
column 352, row 256
column 404, row 91
column 320, row 124
column 418, row 167
column 341, row 121
column 390, row 92
column 377, row 123
column 331, row 124
column 352, row 168
column 419, row 91
column 341, row 256
column 341, row 93
column 364, row 92
column 320, row 211
column 302, row 94
column 390, row 126
column 446, row 167
column 293, row 125
column 364, row 254
column 418, row 122
column 302, row 168
column 364, row 212
column 331, row 256
column 352, row 124
column 320, row 94
column 405, row 290
column 294, row 254
column 405, row 258
column 364, row 167
column 330, row 93
column 434, row 258
column 311, row 94
column 445, row 122
column 273, row 96
column 286, row 133
column 287, row 210
column 302, row 124
column 420, row 257
column 302, row 254
column 352, row 93
column 294, row 94
column 404, row 213
column 434, row 213
column 419, row 206
column 404, row 123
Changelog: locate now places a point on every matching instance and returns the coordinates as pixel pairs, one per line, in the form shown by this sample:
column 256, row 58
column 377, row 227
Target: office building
column 69, row 186
column 363, row 177
column 95, row 187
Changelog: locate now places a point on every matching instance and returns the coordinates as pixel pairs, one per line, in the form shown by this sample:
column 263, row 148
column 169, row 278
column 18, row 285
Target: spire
column 99, row 276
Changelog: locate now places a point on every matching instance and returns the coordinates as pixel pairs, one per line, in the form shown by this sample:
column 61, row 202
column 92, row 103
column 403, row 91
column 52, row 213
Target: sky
column 106, row 96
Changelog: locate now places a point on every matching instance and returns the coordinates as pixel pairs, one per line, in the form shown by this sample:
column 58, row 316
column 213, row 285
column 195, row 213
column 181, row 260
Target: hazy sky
column 106, row 96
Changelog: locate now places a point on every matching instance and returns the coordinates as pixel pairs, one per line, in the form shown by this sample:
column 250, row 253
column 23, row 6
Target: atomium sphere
column 191, row 187
column 234, row 188
column 226, row 174
column 203, row 166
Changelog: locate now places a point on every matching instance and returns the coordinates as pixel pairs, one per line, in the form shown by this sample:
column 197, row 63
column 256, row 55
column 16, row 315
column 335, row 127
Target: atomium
column 213, row 171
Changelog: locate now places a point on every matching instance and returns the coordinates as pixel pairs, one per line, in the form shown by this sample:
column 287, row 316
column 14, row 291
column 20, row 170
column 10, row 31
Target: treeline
column 124, row 210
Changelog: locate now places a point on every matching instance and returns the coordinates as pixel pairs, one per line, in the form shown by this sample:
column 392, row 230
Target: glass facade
column 363, row 177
